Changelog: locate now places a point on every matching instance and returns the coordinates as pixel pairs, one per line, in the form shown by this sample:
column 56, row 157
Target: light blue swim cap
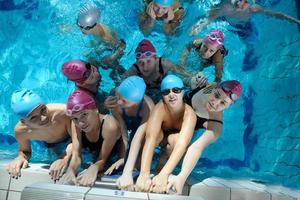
column 171, row 81
column 133, row 89
column 24, row 101
column 164, row 3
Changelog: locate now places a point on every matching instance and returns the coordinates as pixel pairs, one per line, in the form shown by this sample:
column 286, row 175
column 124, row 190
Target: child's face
column 124, row 103
column 160, row 10
column 173, row 97
column 207, row 50
column 87, row 29
column 218, row 101
column 93, row 77
column 38, row 117
column 85, row 120
column 241, row 4
column 146, row 65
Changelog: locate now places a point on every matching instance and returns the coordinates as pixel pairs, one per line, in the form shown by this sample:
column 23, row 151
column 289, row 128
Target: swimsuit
column 94, row 147
column 132, row 122
column 175, row 10
column 200, row 120
column 153, row 88
column 154, row 84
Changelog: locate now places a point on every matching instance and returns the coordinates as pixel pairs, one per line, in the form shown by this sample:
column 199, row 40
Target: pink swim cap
column 232, row 89
column 76, row 70
column 143, row 47
column 78, row 101
column 214, row 37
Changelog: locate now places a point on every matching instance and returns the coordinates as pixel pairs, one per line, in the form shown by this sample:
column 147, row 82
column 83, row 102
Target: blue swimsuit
column 132, row 122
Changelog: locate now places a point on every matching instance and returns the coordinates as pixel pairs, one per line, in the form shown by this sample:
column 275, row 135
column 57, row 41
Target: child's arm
column 159, row 182
column 279, row 15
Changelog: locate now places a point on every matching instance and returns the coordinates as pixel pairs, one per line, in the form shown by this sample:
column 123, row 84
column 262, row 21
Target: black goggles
column 87, row 28
column 174, row 90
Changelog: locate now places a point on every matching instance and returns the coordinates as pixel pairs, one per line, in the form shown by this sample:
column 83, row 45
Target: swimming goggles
column 88, row 72
column 87, row 28
column 232, row 95
column 146, row 54
column 215, row 37
column 80, row 107
column 174, row 90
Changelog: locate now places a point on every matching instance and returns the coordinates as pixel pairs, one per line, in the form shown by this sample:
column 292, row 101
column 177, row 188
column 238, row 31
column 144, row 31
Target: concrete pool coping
column 212, row 188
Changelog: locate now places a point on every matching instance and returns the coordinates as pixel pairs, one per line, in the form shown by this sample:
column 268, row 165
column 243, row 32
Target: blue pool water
column 261, row 134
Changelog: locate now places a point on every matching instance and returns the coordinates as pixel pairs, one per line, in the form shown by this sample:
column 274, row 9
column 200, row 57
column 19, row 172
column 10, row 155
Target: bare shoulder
column 57, row 107
column 160, row 106
column 148, row 102
column 111, row 123
column 58, row 112
column 130, row 72
column 166, row 64
column 20, row 128
column 105, row 28
column 188, row 108
column 189, row 111
column 22, row 132
column 159, row 113
column 158, row 110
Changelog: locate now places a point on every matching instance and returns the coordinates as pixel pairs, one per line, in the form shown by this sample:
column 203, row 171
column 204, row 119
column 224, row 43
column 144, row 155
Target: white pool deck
column 213, row 188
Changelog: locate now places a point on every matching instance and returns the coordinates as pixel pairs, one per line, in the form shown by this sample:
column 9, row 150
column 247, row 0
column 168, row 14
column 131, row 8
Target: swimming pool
column 260, row 138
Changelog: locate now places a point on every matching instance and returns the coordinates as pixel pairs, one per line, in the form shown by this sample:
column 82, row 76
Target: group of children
column 155, row 108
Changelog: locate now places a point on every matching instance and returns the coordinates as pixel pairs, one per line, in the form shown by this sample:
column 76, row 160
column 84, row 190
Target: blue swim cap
column 171, row 81
column 24, row 101
column 133, row 89
column 164, row 3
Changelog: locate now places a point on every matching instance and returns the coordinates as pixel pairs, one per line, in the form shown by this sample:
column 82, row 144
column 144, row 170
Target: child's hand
column 199, row 80
column 150, row 11
column 111, row 102
column 114, row 166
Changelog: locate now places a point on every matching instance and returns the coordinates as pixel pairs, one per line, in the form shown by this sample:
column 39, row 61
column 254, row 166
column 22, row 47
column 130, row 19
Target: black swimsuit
column 94, row 147
column 153, row 88
column 154, row 84
column 200, row 120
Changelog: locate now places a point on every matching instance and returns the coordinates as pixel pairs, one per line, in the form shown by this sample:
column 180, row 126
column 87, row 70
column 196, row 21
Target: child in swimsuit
column 131, row 107
column 171, row 118
column 86, row 77
column 93, row 130
column 87, row 21
column 152, row 69
column 209, row 104
column 167, row 10
column 39, row 121
column 211, row 50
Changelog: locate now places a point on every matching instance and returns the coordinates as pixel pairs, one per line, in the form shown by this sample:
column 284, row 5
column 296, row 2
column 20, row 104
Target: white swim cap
column 88, row 16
